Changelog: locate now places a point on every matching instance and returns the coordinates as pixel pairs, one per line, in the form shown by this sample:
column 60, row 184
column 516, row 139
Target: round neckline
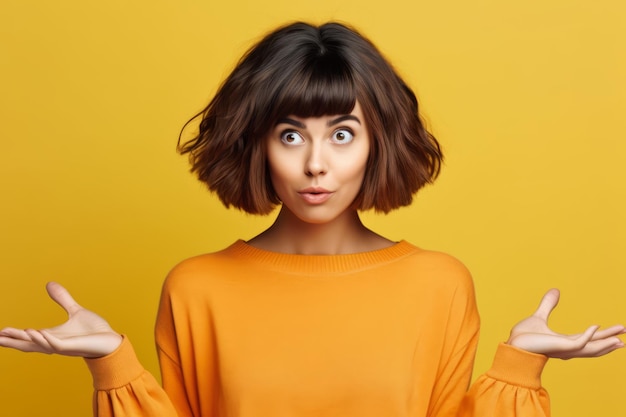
column 319, row 264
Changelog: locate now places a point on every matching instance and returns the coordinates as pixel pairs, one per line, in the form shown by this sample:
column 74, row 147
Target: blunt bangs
column 308, row 78
column 322, row 87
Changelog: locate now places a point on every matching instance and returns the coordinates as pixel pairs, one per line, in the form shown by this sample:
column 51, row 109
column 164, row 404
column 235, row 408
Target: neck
column 345, row 234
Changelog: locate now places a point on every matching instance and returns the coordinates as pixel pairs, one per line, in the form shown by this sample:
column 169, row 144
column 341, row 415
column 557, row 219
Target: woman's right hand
column 84, row 334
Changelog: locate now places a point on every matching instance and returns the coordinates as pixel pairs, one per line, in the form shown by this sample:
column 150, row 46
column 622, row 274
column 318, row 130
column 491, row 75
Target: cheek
column 282, row 170
column 357, row 167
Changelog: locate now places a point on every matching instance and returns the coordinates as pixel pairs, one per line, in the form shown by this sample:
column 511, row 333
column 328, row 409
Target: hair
column 311, row 71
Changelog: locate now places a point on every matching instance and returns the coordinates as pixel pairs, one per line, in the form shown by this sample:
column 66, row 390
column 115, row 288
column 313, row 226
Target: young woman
column 318, row 315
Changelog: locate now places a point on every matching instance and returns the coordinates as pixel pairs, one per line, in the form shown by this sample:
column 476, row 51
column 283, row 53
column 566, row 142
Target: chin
column 320, row 216
column 316, row 220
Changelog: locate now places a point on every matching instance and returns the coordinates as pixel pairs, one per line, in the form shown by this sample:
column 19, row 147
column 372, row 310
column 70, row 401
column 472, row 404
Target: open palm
column 533, row 334
column 84, row 334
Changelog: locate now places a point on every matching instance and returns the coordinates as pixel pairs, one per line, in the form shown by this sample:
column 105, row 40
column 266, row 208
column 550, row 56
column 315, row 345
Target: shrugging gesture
column 533, row 334
column 84, row 333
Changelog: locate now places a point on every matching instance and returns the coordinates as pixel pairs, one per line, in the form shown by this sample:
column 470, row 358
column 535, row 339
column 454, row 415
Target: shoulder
column 438, row 260
column 202, row 269
column 449, row 284
column 439, row 268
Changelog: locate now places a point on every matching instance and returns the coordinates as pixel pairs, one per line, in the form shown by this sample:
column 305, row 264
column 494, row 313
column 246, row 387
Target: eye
column 291, row 137
column 342, row 136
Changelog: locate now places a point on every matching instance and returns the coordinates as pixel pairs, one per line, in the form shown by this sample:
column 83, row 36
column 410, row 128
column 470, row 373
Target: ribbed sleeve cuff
column 117, row 369
column 517, row 367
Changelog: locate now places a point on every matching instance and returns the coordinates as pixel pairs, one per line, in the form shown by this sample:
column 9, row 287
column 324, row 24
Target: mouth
column 314, row 190
column 315, row 195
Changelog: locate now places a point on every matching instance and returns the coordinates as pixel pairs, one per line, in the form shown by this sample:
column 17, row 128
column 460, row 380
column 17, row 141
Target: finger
column 547, row 304
column 610, row 348
column 17, row 334
column 562, row 347
column 608, row 332
column 607, row 351
column 585, row 337
column 594, row 349
column 62, row 297
column 22, row 343
column 39, row 340
column 601, row 334
column 64, row 346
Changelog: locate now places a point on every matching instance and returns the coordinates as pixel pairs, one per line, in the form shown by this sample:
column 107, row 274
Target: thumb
column 547, row 304
column 62, row 297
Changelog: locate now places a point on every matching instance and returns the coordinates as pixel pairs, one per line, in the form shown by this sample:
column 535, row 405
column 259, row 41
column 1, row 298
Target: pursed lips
column 315, row 195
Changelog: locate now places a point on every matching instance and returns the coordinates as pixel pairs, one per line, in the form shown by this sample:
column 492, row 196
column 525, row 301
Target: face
column 317, row 164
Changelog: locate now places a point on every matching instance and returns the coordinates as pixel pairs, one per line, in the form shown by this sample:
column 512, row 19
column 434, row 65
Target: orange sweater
column 389, row 333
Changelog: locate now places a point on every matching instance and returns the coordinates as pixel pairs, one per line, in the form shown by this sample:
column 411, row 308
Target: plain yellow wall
column 527, row 98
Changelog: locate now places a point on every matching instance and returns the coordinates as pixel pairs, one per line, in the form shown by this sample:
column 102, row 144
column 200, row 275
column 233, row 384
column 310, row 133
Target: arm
column 123, row 387
column 512, row 387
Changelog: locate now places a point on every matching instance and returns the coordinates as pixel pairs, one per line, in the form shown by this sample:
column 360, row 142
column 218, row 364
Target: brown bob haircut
column 311, row 71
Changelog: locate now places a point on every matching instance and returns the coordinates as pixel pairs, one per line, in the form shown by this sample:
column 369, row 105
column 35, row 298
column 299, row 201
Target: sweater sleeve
column 123, row 388
column 511, row 388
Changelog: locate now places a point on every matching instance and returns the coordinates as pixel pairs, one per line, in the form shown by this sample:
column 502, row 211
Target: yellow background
column 527, row 98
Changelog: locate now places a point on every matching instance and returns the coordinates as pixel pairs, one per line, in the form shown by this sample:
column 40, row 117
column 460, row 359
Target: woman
column 317, row 315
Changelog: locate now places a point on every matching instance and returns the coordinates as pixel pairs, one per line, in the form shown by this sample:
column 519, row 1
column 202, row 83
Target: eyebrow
column 342, row 118
column 332, row 122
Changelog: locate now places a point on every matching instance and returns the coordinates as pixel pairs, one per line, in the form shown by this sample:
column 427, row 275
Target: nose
column 315, row 163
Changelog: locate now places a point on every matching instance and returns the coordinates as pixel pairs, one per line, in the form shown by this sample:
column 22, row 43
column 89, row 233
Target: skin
column 304, row 154
column 326, row 154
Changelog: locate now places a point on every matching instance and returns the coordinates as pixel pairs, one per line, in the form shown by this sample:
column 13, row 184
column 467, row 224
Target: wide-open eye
column 291, row 137
column 342, row 136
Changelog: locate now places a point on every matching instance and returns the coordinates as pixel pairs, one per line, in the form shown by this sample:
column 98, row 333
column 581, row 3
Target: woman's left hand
column 533, row 334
